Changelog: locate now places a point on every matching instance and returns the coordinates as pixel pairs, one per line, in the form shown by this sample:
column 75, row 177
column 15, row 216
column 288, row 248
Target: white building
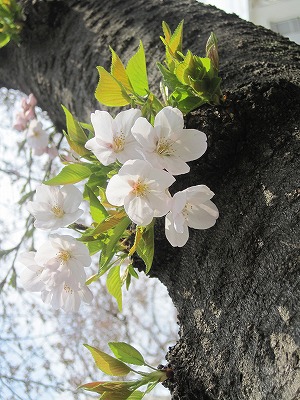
column 282, row 16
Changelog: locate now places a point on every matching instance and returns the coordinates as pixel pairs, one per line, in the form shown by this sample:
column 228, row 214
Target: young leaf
column 175, row 42
column 137, row 72
column 109, row 91
column 110, row 222
column 127, row 353
column 136, row 395
column 145, row 247
column 115, row 235
column 98, row 212
column 71, row 173
column 75, row 134
column 114, row 286
column 93, row 387
column 121, row 395
column 108, row 364
column 118, row 71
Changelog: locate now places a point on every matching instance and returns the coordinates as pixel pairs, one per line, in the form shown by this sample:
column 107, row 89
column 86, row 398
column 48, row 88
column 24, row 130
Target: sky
column 239, row 7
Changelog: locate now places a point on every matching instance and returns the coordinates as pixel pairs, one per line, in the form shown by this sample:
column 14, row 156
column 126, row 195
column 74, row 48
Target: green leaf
column 175, row 42
column 94, row 246
column 75, row 134
column 145, row 247
column 98, row 212
column 136, row 395
column 4, row 39
column 108, row 364
column 127, row 353
column 137, row 72
column 118, row 71
column 114, row 285
column 114, row 236
column 109, row 91
column 93, row 387
column 122, row 395
column 133, row 272
column 71, row 173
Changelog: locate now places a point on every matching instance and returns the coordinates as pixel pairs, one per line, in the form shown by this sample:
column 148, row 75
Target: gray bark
column 236, row 286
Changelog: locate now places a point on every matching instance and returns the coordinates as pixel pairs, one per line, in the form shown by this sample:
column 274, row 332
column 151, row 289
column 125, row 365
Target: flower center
column 68, row 289
column 164, row 147
column 118, row 143
column 186, row 210
column 64, row 256
column 139, row 188
column 57, row 211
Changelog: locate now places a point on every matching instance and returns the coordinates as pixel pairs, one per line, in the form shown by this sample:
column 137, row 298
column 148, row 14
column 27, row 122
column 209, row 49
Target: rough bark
column 236, row 286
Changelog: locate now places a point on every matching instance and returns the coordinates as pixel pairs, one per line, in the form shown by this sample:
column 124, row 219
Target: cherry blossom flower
column 192, row 208
column 66, row 258
column 142, row 190
column 67, row 296
column 167, row 145
column 65, row 292
column 113, row 139
column 55, row 207
column 37, row 138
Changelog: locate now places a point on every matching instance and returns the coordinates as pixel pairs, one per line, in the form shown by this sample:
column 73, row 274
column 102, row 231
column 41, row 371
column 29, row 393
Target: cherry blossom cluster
column 151, row 155
column 57, row 268
column 36, row 137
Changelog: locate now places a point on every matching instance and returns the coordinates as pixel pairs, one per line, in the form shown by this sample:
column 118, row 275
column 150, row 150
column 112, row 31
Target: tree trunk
column 236, row 286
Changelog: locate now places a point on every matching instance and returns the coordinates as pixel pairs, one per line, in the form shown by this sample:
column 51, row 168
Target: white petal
column 191, row 145
column 103, row 151
column 159, row 202
column 170, row 118
column 86, row 295
column 102, row 122
column 45, row 253
column 28, row 259
column 175, row 165
column 31, row 280
column 161, row 179
column 145, row 134
column 126, row 119
column 132, row 151
column 117, row 189
column 68, row 219
column 198, row 194
column 138, row 210
column 203, row 216
column 72, row 198
column 176, row 239
column 178, row 202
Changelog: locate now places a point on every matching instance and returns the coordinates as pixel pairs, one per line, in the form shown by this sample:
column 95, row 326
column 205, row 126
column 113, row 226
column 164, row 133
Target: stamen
column 164, row 147
column 68, row 289
column 57, row 211
column 64, row 256
column 119, row 142
column 139, row 188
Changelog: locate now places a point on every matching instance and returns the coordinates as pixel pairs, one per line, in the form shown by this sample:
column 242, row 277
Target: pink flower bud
column 20, row 123
column 32, row 101
column 30, row 114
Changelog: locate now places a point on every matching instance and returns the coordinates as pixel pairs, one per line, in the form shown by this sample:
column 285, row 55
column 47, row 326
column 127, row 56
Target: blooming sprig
column 55, row 207
column 57, row 271
column 192, row 208
column 142, row 190
column 167, row 144
column 113, row 138
column 130, row 161
column 36, row 137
